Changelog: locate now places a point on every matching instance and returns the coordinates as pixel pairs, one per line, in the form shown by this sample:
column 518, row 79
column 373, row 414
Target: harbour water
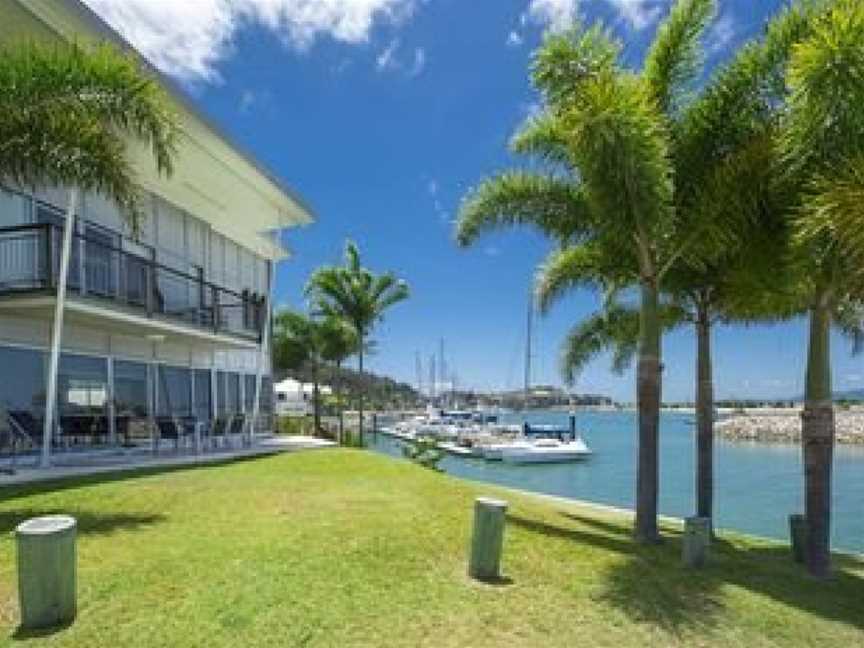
column 756, row 485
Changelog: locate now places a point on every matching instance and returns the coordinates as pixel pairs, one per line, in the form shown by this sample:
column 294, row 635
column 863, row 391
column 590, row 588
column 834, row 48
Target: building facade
column 165, row 319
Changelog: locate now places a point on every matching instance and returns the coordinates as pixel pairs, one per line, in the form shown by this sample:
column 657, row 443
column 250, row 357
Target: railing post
column 149, row 286
column 215, row 299
column 49, row 256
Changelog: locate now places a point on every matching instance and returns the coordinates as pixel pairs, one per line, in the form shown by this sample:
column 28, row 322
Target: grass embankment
column 346, row 548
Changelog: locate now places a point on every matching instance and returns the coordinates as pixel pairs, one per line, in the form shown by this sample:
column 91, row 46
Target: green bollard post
column 46, row 571
column 488, row 539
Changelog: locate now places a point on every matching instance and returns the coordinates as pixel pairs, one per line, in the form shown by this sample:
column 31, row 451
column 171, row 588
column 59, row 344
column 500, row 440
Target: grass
column 347, row 548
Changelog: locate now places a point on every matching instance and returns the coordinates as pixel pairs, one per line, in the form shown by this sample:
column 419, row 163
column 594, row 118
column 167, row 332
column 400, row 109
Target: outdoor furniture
column 172, row 429
column 75, row 427
column 196, row 429
column 219, row 430
column 121, row 428
column 238, row 426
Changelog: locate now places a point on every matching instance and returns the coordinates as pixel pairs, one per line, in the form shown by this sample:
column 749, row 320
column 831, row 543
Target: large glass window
column 22, row 388
column 130, row 389
column 232, row 392
column 174, row 389
column 82, row 385
column 203, row 408
column 250, row 393
column 221, row 402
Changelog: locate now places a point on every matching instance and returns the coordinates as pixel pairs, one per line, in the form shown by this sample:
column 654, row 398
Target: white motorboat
column 495, row 451
column 546, row 451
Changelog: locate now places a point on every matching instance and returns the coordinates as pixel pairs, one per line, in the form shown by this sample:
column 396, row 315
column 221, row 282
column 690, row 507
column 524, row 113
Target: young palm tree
column 822, row 142
column 606, row 191
column 340, row 343
column 67, row 115
column 357, row 296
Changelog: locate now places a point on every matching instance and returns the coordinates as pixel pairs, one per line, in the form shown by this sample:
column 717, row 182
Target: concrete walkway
column 118, row 460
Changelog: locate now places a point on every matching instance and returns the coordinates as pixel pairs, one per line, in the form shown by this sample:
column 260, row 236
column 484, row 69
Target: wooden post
column 798, row 536
column 46, row 571
column 487, row 539
column 695, row 542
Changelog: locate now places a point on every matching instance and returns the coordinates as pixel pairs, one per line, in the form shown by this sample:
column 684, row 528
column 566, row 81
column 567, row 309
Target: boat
column 546, row 451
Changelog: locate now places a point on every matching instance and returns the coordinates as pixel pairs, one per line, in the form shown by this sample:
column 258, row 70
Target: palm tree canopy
column 353, row 293
column 67, row 114
column 822, row 144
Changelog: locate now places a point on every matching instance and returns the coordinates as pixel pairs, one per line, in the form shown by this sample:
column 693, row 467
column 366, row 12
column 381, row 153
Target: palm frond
column 555, row 206
column 675, row 56
column 65, row 115
column 614, row 329
column 587, row 265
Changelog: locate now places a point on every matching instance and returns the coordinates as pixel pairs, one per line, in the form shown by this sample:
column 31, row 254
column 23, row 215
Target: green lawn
column 347, row 548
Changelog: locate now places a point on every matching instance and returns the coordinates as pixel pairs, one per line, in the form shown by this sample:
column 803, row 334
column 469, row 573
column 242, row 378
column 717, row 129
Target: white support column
column 263, row 350
column 57, row 332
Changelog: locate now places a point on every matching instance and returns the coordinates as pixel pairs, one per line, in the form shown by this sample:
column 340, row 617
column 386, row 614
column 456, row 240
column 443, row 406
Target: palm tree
column 725, row 173
column 822, row 144
column 357, row 296
column 340, row 342
column 67, row 115
column 606, row 188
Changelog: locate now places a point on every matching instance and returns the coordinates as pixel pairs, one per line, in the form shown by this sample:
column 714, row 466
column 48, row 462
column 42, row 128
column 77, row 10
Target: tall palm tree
column 67, row 115
column 606, row 190
column 357, row 296
column 725, row 170
column 822, row 144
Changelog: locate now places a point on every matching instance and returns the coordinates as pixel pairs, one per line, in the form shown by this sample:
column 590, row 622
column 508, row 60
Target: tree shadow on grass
column 16, row 491
column 88, row 522
column 650, row 584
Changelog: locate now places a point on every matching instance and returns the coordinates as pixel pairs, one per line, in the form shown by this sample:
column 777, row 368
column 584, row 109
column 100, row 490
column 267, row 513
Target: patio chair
column 172, row 429
column 219, row 430
column 75, row 427
column 238, row 426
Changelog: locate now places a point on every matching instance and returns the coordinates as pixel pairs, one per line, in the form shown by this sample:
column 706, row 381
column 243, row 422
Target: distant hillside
column 380, row 391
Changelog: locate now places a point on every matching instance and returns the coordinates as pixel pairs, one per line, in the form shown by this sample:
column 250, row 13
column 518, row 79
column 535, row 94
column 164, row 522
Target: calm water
column 756, row 485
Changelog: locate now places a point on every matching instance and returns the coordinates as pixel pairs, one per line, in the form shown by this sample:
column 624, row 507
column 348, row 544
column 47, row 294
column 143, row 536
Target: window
column 203, row 402
column 221, row 401
column 174, row 389
column 232, row 392
column 22, row 376
column 130, row 389
column 250, row 393
column 82, row 385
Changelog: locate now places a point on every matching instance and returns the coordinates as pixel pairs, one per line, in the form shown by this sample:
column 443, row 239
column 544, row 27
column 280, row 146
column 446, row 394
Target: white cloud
column 721, row 35
column 247, row 100
column 388, row 59
column 639, row 14
column 492, row 251
column 419, row 62
column 514, row 39
column 432, row 187
column 556, row 14
column 188, row 38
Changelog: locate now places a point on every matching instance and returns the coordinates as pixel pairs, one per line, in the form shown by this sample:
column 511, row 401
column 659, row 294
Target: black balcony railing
column 105, row 267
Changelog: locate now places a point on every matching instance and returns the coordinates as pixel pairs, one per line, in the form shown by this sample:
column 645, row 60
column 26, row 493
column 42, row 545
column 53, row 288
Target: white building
column 170, row 323
column 294, row 398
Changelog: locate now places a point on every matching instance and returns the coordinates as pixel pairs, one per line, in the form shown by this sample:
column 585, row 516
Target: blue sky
column 382, row 114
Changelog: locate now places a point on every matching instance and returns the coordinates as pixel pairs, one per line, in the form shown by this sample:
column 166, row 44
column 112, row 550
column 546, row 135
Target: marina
column 758, row 485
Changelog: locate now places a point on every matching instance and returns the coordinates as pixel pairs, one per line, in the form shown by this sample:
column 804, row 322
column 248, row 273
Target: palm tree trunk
column 704, row 416
column 362, row 387
column 648, row 393
column 818, row 441
column 316, row 399
column 338, row 384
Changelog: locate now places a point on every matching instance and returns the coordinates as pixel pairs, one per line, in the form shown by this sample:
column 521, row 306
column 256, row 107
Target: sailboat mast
column 527, row 386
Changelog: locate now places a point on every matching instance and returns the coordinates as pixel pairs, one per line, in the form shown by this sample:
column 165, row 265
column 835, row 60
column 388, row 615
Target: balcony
column 121, row 275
